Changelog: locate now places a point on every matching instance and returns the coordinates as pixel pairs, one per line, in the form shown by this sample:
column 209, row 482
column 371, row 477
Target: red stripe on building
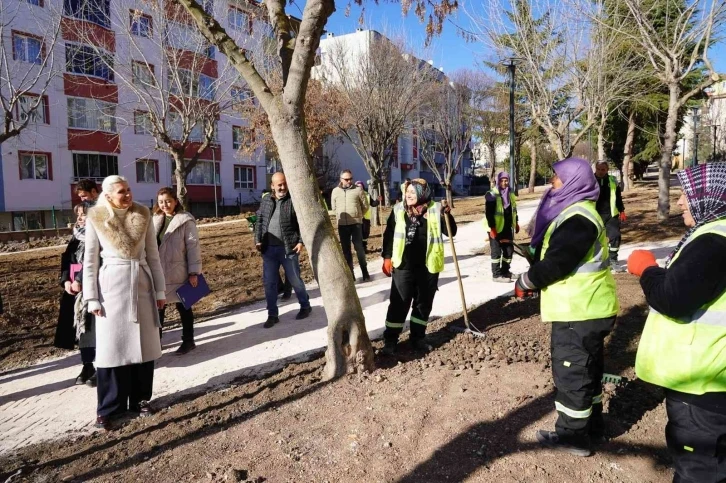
column 96, row 141
column 83, row 32
column 75, row 85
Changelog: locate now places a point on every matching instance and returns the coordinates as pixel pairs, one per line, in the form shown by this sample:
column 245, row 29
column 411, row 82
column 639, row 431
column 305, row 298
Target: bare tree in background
column 173, row 87
column 381, row 91
column 447, row 124
column 348, row 343
column 28, row 65
column 674, row 37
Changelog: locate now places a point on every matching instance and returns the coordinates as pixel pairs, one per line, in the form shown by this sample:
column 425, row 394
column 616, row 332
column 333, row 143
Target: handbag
column 189, row 295
column 75, row 268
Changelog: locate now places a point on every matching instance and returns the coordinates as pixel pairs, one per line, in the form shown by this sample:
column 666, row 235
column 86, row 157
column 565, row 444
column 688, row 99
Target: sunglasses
column 347, row 179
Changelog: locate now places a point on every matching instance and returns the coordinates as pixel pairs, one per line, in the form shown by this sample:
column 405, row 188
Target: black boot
column 390, row 347
column 366, row 276
column 86, row 373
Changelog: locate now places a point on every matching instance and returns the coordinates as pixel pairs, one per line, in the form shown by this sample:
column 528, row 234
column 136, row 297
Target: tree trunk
column 601, row 156
column 628, row 159
column 384, row 187
column 669, row 139
column 532, row 167
column 181, row 180
column 348, row 344
column 492, row 159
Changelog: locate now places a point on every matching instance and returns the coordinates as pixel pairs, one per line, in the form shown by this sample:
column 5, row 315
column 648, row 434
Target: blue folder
column 191, row 295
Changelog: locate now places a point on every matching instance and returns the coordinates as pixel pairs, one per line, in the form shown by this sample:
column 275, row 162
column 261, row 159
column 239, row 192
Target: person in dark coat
column 611, row 209
column 74, row 321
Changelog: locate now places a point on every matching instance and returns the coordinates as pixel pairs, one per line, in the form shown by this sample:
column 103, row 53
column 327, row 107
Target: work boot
column 271, row 320
column 419, row 344
column 366, row 276
column 185, row 347
column 103, row 422
column 286, row 296
column 390, row 347
column 501, row 279
column 86, row 373
column 93, row 380
column 304, row 313
column 143, row 408
column 552, row 440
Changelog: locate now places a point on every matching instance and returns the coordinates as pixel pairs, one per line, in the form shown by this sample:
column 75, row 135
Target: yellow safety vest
column 367, row 214
column 687, row 354
column 435, row 248
column 589, row 291
column 499, row 212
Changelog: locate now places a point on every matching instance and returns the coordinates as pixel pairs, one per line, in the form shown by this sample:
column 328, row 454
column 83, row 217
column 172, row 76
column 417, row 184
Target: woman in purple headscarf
column 683, row 346
column 501, row 218
column 578, row 299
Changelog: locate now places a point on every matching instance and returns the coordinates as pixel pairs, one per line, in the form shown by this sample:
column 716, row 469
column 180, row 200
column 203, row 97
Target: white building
column 406, row 160
column 81, row 132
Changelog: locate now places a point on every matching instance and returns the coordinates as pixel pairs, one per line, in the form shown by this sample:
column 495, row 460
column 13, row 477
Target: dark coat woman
column 74, row 321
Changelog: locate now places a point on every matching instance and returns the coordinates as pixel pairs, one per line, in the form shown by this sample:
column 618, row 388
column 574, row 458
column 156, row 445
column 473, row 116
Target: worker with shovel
column 502, row 223
column 577, row 297
column 413, row 253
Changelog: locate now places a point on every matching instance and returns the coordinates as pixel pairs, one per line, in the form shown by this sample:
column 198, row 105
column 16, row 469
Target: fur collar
column 125, row 235
column 176, row 222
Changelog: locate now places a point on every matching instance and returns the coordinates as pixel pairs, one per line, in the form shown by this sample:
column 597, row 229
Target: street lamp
column 695, row 135
column 713, row 141
column 511, row 64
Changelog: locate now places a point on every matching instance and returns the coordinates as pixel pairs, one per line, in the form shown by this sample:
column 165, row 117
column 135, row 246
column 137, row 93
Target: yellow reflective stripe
column 566, row 364
column 688, row 448
column 394, row 325
column 416, row 320
column 597, row 399
column 573, row 413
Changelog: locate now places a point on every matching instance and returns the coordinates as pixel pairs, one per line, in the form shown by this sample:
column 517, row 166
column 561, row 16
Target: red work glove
column 516, row 230
column 522, row 288
column 623, row 217
column 387, row 267
column 492, row 233
column 639, row 260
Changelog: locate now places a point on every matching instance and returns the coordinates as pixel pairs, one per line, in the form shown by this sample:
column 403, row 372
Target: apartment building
column 92, row 123
column 406, row 153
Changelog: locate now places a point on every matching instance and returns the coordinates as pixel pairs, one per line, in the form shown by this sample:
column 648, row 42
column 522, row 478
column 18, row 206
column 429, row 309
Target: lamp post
column 713, row 140
column 511, row 64
column 695, row 135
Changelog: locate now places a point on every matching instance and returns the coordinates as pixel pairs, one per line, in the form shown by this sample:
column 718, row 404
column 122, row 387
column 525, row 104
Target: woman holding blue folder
column 181, row 257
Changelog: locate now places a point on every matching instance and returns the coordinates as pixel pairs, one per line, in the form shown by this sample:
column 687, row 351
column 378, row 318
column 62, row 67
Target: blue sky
column 449, row 50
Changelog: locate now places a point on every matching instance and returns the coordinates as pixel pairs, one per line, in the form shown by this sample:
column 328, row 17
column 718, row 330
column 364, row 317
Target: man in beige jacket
column 350, row 203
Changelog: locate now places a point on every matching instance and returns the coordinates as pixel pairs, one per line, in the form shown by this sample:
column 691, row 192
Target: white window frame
column 198, row 170
column 142, row 123
column 99, row 58
column 142, row 74
column 89, row 175
column 91, row 114
column 34, row 171
column 249, row 184
column 141, row 24
column 24, row 54
column 151, row 166
column 39, row 115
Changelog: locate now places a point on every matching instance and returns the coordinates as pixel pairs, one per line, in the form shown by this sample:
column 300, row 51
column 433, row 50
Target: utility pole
column 695, row 135
column 713, row 139
column 511, row 65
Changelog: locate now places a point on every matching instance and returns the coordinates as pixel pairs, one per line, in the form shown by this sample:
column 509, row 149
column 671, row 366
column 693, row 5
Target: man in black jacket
column 611, row 209
column 277, row 236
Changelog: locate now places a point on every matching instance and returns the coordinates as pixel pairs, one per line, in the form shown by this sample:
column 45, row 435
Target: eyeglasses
column 346, row 179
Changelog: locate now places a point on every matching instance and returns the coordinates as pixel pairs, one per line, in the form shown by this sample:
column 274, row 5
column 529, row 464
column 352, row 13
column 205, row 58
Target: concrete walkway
column 41, row 403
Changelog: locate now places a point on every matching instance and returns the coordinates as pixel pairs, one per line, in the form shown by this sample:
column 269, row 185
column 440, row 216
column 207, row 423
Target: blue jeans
column 272, row 258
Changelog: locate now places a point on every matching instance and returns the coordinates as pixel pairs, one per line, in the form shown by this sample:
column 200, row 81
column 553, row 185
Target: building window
column 38, row 3
column 84, row 60
column 27, row 48
column 95, row 11
column 204, row 173
column 29, row 220
column 244, row 177
column 187, row 83
column 237, row 19
column 34, row 108
column 240, row 95
column 140, row 23
column 185, row 37
column 91, row 114
column 242, row 137
column 147, row 171
column 142, row 122
column 142, row 74
column 175, row 129
column 35, row 166
column 96, row 166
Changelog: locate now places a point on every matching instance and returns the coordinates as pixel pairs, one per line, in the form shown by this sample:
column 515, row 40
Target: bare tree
column 447, row 123
column 674, row 37
column 174, row 89
column 27, row 64
column 348, row 342
column 382, row 89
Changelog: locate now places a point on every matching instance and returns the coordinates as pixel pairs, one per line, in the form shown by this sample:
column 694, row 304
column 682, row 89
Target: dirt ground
column 467, row 411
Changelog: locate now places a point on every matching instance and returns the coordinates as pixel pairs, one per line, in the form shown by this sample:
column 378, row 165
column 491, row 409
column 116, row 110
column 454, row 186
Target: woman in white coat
column 181, row 257
column 123, row 283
